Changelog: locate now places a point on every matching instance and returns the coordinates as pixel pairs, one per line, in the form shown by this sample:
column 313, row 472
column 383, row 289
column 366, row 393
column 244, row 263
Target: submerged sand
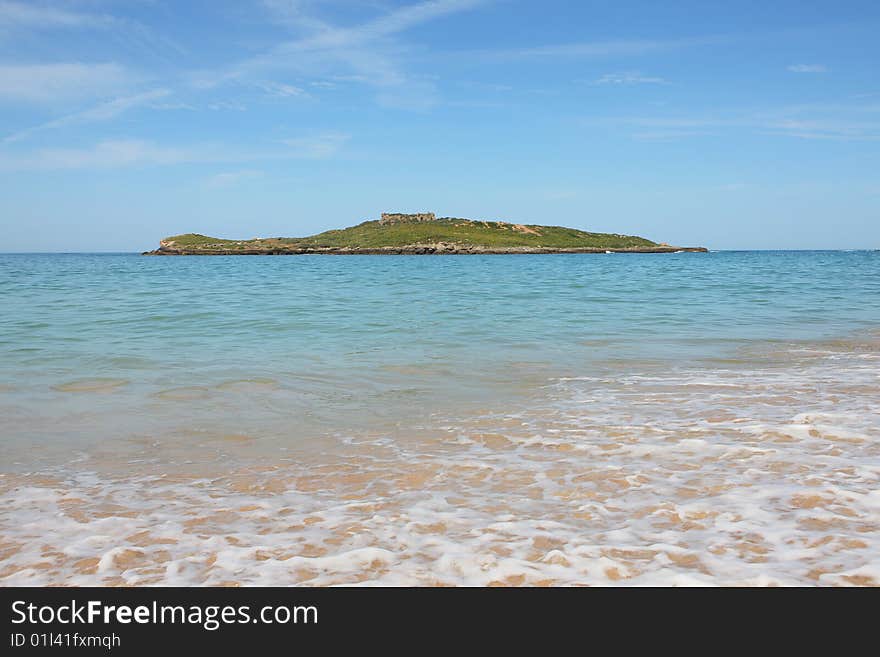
column 758, row 470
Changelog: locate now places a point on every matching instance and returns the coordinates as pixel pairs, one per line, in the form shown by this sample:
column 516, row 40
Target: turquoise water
column 123, row 366
column 335, row 343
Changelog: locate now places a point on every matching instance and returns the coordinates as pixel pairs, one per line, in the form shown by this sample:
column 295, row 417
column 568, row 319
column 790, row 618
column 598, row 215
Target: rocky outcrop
column 438, row 248
column 400, row 218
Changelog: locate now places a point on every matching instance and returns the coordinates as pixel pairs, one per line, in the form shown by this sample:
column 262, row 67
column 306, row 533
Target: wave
column 763, row 471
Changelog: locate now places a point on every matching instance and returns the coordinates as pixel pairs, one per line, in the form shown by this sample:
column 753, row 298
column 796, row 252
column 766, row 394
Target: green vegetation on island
column 420, row 234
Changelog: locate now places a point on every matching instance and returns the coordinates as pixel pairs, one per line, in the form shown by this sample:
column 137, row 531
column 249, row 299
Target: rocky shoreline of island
column 423, row 233
column 419, row 249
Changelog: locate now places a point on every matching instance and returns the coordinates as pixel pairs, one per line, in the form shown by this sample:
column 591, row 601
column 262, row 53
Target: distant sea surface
column 416, row 420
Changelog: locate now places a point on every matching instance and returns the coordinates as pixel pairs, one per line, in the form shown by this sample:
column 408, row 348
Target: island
column 423, row 234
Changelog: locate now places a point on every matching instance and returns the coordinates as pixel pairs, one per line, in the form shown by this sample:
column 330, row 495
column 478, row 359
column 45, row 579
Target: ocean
column 626, row 419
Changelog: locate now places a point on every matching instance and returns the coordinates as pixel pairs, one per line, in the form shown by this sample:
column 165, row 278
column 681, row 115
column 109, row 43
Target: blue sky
column 731, row 125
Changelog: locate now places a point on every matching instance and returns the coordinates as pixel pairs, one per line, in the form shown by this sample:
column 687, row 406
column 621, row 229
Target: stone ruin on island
column 401, row 218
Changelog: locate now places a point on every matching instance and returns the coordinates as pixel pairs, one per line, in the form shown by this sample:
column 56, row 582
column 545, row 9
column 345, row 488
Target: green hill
column 417, row 234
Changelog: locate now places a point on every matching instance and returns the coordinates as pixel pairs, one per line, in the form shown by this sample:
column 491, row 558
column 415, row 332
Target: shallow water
column 567, row 419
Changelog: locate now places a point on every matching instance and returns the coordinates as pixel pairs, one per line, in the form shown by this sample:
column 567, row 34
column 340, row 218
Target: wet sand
column 763, row 469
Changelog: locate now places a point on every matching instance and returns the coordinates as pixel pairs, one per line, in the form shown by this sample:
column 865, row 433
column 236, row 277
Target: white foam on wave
column 763, row 473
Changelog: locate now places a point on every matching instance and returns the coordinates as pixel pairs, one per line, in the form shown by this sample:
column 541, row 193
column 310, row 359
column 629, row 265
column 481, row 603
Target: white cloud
column 102, row 112
column 104, row 155
column 316, row 146
column 808, row 68
column 227, row 105
column 628, row 78
column 40, row 17
column 405, row 18
column 119, row 105
column 46, row 83
column 366, row 53
column 393, row 22
column 620, row 48
column 19, row 14
column 838, row 129
column 782, row 122
column 125, row 153
column 172, row 106
column 281, row 90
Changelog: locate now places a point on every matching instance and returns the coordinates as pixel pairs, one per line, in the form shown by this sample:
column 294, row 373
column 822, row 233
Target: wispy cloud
column 44, row 17
column 128, row 153
column 172, row 106
column 783, row 122
column 836, row 129
column 398, row 20
column 227, row 106
column 281, row 90
column 317, row 147
column 808, row 68
column 113, row 154
column 367, row 53
column 610, row 48
column 628, row 78
column 102, row 112
column 31, row 15
column 44, row 83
